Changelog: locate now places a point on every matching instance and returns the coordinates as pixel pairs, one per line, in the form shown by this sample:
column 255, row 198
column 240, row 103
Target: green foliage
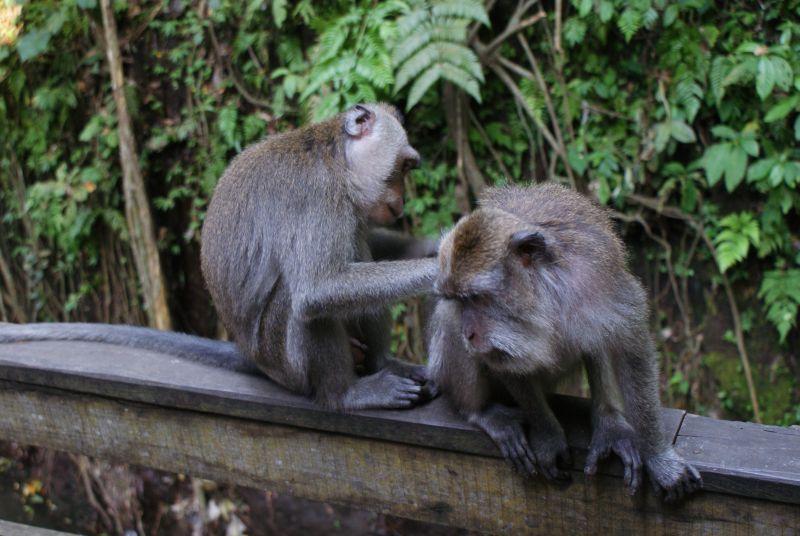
column 352, row 62
column 693, row 108
column 733, row 241
column 431, row 45
column 780, row 289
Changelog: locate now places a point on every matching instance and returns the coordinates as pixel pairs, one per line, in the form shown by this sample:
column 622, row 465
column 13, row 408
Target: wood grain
column 429, row 484
column 428, row 464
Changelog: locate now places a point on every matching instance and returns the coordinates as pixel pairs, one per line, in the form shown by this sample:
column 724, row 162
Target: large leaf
column 735, row 168
column 32, row 44
column 682, row 132
column 765, row 77
column 782, row 109
column 714, row 161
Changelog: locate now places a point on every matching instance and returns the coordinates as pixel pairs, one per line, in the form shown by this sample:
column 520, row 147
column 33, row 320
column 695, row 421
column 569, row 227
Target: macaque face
column 379, row 157
column 485, row 269
column 390, row 206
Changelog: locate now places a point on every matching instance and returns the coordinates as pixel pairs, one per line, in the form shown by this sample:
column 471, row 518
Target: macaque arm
column 547, row 439
column 637, row 374
column 385, row 244
column 363, row 286
column 611, row 430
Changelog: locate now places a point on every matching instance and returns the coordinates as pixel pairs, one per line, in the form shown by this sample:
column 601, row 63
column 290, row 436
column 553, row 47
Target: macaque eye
column 475, row 300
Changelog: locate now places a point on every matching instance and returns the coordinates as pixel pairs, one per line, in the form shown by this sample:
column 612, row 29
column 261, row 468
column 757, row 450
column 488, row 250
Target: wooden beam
column 149, row 409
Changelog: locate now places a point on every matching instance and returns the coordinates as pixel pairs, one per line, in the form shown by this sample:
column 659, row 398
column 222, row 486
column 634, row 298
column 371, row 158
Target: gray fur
column 533, row 284
column 209, row 352
column 286, row 257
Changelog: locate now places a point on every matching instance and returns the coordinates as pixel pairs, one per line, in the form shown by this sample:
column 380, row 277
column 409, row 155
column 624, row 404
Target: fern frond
column 422, row 84
column 331, row 41
column 716, row 77
column 462, row 79
column 408, row 23
column 629, row 22
column 454, row 30
column 464, row 9
column 417, row 63
column 384, row 10
column 410, row 45
column 376, row 70
column 461, row 56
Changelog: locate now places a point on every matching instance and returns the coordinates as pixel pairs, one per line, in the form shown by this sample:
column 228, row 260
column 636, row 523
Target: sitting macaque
column 531, row 285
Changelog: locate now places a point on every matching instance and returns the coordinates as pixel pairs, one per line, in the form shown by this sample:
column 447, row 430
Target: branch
column 137, row 208
column 489, row 144
column 512, row 29
column 557, row 36
column 223, row 59
column 675, row 213
column 548, row 103
column 559, row 149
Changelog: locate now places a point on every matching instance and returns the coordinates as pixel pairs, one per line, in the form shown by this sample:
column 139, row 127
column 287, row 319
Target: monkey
column 286, row 253
column 531, row 284
column 299, row 282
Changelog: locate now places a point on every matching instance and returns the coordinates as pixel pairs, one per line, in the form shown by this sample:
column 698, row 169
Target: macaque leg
column 465, row 384
column 637, row 375
column 374, row 331
column 546, row 436
column 325, row 346
column 611, row 431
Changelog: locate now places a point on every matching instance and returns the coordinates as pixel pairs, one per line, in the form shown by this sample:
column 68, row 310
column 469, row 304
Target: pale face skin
column 379, row 157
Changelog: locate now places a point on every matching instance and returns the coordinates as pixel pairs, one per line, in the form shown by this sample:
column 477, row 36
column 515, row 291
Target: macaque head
column 378, row 157
column 487, row 265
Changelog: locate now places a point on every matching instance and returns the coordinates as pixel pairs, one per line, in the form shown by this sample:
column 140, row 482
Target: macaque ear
column 529, row 246
column 358, row 121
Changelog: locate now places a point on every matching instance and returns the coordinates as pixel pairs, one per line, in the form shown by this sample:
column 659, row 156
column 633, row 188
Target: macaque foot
column 503, row 425
column 620, row 438
column 418, row 373
column 384, row 390
column 671, row 476
column 552, row 455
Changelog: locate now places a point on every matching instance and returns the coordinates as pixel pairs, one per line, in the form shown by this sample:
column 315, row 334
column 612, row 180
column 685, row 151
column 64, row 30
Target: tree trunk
column 137, row 209
column 456, row 109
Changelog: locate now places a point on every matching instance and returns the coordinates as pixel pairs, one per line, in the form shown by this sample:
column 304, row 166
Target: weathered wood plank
column 139, row 376
column 7, row 528
column 168, row 381
column 749, row 459
column 429, row 484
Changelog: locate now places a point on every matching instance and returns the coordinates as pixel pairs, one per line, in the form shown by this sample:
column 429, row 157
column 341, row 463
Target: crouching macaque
column 531, row 284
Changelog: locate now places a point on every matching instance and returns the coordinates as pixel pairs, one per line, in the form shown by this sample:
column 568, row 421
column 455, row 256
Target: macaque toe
column 617, row 438
column 430, row 390
column 672, row 477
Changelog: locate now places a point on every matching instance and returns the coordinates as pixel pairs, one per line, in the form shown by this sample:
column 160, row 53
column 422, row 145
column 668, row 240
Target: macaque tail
column 220, row 354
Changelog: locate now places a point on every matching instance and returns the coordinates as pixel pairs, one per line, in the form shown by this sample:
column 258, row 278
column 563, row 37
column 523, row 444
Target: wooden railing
column 155, row 410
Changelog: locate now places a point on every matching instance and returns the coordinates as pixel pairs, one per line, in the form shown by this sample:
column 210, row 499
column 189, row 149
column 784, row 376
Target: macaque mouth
column 396, row 213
